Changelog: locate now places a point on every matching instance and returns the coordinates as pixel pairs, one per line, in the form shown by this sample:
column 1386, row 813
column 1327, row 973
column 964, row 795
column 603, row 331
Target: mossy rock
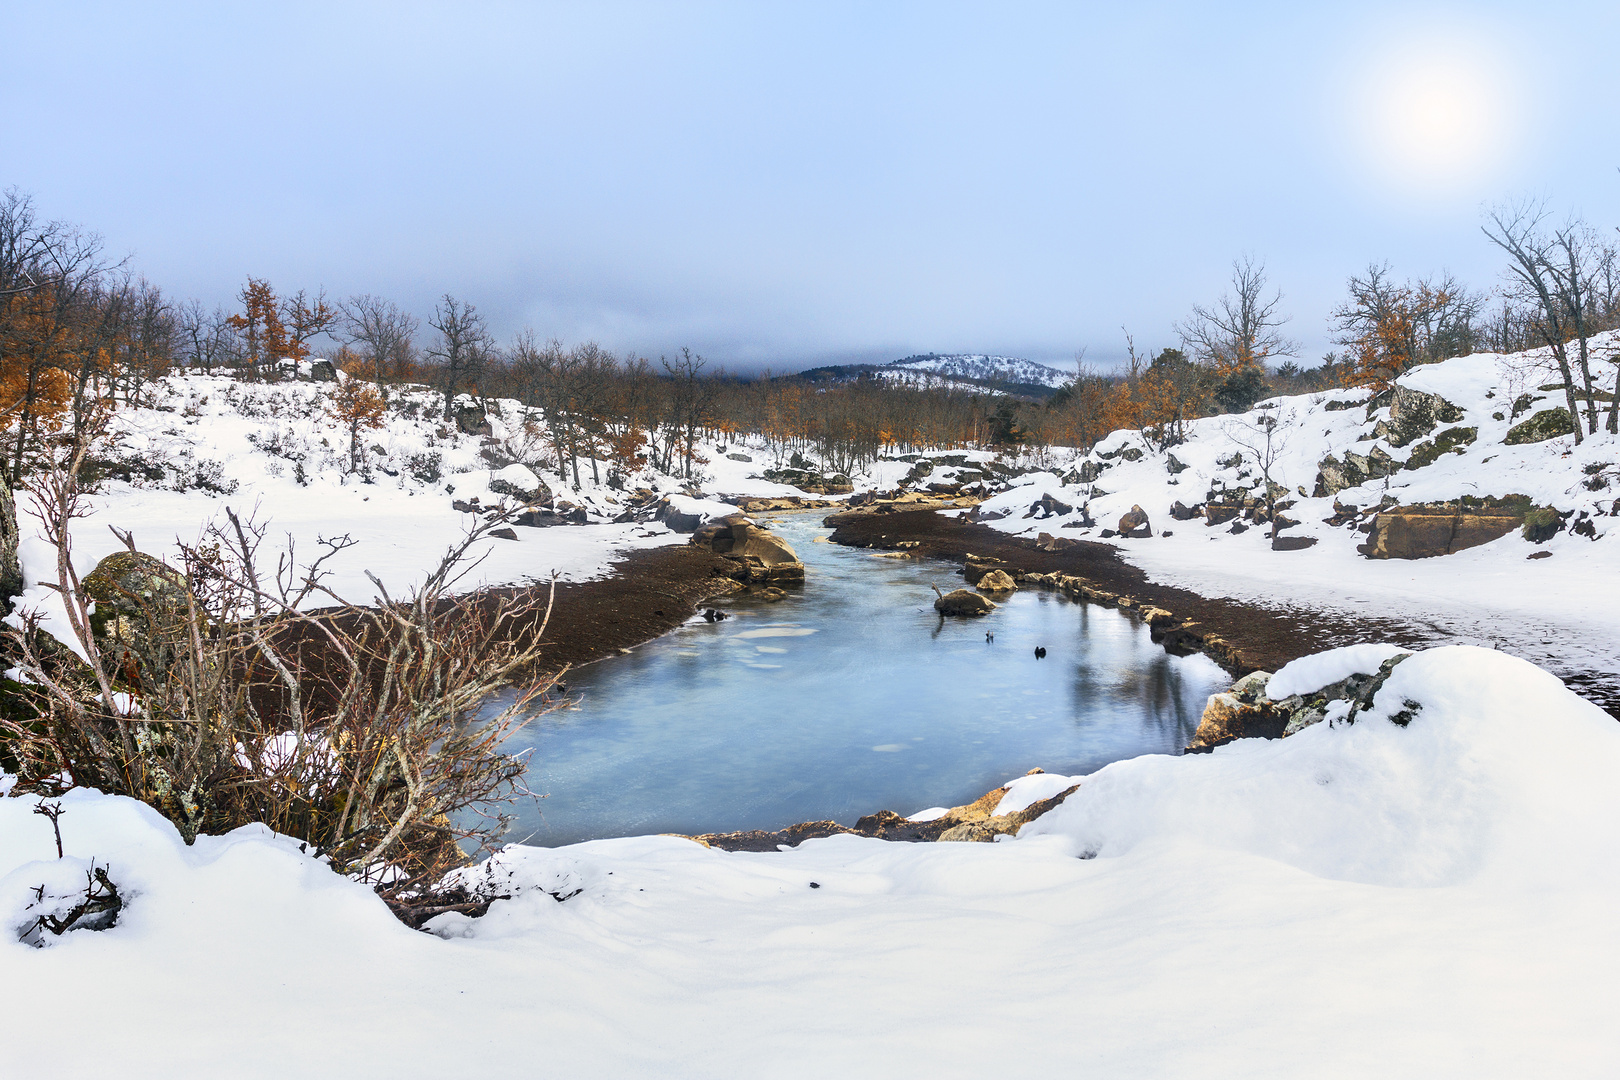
column 1542, row 524
column 140, row 600
column 1451, row 440
column 1544, row 425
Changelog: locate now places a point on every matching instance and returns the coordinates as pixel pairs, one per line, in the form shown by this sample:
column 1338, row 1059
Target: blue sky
column 792, row 184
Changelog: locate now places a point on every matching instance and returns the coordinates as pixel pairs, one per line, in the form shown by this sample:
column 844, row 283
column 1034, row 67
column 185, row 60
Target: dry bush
column 212, row 691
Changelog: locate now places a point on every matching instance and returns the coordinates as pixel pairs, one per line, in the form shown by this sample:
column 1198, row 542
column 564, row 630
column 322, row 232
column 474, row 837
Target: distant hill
column 1001, row 374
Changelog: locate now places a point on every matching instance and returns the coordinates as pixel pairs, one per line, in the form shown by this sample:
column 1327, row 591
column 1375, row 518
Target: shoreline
column 1241, row 637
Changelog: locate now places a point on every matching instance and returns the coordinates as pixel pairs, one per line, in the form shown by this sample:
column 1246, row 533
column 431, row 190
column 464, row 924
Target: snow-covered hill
column 983, row 369
column 1341, row 455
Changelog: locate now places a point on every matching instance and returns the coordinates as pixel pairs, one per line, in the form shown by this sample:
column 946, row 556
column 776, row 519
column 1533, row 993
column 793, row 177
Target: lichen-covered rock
column 1451, row 440
column 521, row 483
column 1542, row 524
column 1412, row 414
column 1544, row 425
column 142, row 609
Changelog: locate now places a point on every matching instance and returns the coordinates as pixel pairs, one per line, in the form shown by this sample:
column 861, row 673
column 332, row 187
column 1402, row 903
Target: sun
column 1436, row 120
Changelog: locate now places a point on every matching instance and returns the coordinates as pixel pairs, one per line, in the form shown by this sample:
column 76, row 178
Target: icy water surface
column 850, row 697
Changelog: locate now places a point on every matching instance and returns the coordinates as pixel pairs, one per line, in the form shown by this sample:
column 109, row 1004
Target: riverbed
column 846, row 697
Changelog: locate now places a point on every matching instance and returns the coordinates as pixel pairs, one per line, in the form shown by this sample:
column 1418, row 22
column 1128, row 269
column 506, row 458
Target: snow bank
column 1310, row 673
column 1355, row 900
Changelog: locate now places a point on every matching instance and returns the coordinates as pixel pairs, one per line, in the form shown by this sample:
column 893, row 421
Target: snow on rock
column 1026, row 791
column 1310, row 673
column 1359, row 899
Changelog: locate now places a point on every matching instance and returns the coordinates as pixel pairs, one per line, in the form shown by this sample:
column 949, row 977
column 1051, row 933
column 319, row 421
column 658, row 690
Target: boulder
column 739, row 457
column 1220, row 514
column 141, row 611
column 1134, row 524
column 504, row 534
column 1542, row 524
column 1426, row 530
column 323, row 371
column 520, row 482
column 757, row 556
column 996, row 581
column 962, row 604
column 676, row 521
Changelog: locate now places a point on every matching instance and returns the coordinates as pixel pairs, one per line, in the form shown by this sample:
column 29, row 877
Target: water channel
column 849, row 697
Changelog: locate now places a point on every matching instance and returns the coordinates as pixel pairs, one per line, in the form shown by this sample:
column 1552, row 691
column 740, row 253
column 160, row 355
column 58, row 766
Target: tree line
column 80, row 330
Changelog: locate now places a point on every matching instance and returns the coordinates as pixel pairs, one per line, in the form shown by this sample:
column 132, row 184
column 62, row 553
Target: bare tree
column 462, row 347
column 1244, row 328
column 385, row 334
column 204, row 336
column 1263, row 440
column 1549, row 272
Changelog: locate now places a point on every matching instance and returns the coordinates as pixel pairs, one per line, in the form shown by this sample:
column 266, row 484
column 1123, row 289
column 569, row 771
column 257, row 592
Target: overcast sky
column 791, row 184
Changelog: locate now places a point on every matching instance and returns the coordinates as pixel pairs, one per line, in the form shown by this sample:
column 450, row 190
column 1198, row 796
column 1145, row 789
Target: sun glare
column 1436, row 122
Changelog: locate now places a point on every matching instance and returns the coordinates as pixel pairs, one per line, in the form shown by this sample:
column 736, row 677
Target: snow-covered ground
column 273, row 451
column 1353, row 901
column 1562, row 612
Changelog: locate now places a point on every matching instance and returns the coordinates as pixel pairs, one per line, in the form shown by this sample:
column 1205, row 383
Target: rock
column 1292, row 543
column 1215, row 514
column 1047, row 506
column 676, row 521
column 1412, row 414
column 141, row 609
column 1426, row 530
column 963, row 604
column 976, row 568
column 1173, row 466
column 1134, row 524
column 520, row 482
column 739, row 457
column 1542, row 524
column 323, row 371
column 1089, row 471
column 757, row 556
column 472, row 420
column 11, row 579
column 1451, row 440
column 996, row 581
column 504, row 534
column 1544, row 425
column 1181, row 512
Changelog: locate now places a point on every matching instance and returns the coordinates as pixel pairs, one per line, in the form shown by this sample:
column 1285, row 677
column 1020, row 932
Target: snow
column 1311, row 673
column 1354, row 900
column 1026, row 791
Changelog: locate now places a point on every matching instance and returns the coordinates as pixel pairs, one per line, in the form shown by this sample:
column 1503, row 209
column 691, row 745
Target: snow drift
column 1365, row 899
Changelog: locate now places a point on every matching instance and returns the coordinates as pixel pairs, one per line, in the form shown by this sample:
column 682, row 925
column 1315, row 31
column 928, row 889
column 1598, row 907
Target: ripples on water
column 850, row 697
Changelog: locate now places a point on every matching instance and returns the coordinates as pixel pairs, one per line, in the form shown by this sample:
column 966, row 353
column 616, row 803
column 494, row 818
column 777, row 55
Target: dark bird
column 989, row 636
column 1040, row 652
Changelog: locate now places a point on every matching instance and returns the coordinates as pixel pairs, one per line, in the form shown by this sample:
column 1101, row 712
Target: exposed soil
column 650, row 592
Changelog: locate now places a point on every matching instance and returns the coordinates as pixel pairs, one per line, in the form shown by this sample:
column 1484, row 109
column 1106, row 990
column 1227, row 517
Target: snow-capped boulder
column 521, row 483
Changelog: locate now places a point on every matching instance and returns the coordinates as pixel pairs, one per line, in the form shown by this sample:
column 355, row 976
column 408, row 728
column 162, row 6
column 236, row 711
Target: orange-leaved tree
column 358, row 406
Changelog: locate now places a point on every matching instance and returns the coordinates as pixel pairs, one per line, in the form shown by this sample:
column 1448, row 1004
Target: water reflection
column 850, row 697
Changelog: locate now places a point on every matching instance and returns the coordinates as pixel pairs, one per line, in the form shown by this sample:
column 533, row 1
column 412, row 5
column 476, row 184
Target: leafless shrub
column 213, row 690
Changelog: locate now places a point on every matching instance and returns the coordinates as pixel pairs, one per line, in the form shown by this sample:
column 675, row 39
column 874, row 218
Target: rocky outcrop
column 1450, row 441
column 520, row 482
column 1246, row 712
column 962, row 604
column 472, row 420
column 1046, row 506
column 809, row 480
column 1412, row 414
column 757, row 556
column 1429, row 529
